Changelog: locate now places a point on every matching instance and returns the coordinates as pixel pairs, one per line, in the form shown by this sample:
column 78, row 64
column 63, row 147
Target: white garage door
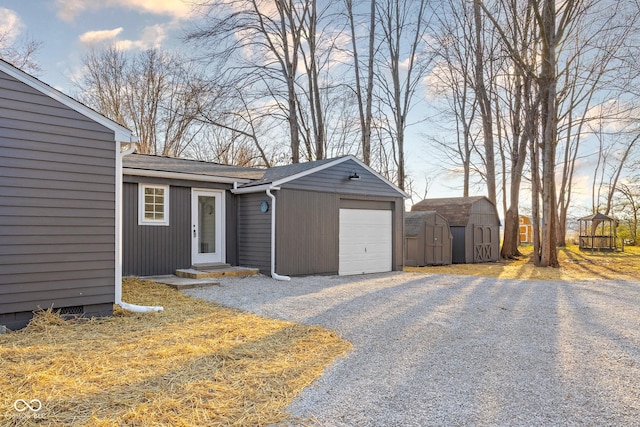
column 365, row 241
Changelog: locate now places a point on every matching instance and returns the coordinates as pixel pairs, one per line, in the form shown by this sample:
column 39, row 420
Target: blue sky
column 67, row 28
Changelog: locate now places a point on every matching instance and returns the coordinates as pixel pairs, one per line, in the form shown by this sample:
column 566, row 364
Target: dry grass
column 574, row 265
column 194, row 364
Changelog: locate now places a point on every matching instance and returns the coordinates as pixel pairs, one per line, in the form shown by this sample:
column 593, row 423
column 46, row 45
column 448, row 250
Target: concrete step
column 208, row 267
column 182, row 283
column 202, row 273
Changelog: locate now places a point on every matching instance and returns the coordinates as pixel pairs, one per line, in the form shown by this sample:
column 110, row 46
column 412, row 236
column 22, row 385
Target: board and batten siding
column 335, row 179
column 484, row 214
column 57, row 207
column 150, row 250
column 254, row 232
column 308, row 229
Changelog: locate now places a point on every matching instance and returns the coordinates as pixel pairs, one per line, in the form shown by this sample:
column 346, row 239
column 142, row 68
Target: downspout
column 118, row 294
column 273, row 238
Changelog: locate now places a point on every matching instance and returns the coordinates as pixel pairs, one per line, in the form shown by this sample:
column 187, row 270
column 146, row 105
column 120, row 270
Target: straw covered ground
column 196, row 363
column 574, row 265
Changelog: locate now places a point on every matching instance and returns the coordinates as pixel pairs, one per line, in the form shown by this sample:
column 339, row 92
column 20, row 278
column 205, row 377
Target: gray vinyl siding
column 157, row 250
column 57, row 205
column 254, row 232
column 335, row 179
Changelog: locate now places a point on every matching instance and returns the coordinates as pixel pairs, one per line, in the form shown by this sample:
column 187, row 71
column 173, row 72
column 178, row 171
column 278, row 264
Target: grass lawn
column 195, row 364
column 574, row 265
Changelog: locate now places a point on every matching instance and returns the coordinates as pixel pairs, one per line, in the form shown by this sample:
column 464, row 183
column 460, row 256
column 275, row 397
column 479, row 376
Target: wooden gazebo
column 598, row 233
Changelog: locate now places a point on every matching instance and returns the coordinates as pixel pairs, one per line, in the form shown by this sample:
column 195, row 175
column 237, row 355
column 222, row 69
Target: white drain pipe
column 118, row 294
column 273, row 238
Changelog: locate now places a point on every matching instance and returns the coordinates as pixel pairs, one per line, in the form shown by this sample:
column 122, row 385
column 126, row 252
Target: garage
column 365, row 241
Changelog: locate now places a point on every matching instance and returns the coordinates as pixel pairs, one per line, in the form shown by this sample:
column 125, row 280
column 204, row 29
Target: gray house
column 474, row 225
column 324, row 217
column 70, row 189
column 59, row 201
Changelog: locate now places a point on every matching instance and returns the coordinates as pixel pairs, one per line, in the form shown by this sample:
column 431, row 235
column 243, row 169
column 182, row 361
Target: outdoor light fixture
column 354, row 177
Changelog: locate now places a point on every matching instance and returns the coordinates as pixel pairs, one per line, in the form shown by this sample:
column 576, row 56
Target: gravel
column 432, row 350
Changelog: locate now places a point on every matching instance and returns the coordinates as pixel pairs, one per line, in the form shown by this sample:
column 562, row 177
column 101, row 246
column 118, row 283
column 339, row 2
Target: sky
column 66, row 30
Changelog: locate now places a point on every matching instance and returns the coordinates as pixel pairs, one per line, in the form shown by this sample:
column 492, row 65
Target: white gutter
column 273, row 237
column 118, row 285
column 254, row 189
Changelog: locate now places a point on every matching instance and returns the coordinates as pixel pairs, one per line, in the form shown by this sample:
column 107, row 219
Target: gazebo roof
column 596, row 217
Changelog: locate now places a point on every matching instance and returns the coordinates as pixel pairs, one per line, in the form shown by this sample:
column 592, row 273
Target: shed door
column 365, row 241
column 434, row 245
column 482, row 244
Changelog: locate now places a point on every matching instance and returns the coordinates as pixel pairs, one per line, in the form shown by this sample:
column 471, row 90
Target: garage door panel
column 365, row 241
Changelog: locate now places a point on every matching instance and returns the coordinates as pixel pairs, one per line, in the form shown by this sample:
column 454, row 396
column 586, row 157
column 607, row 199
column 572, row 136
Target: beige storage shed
column 427, row 239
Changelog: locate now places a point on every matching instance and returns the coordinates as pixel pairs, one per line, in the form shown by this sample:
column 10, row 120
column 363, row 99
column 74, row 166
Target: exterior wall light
column 354, row 177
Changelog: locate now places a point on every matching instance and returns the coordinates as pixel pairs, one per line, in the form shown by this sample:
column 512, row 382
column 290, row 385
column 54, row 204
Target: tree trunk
column 485, row 106
column 548, row 256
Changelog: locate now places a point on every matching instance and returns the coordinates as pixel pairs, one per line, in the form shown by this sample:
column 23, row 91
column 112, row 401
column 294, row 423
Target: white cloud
column 10, row 27
column 100, row 36
column 68, row 10
column 152, row 37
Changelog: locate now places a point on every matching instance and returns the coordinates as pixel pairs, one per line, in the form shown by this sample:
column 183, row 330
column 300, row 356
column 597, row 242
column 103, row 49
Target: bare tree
column 484, row 98
column 21, row 54
column 261, row 43
column 404, row 62
column 156, row 95
column 453, row 74
column 629, row 208
column 364, row 97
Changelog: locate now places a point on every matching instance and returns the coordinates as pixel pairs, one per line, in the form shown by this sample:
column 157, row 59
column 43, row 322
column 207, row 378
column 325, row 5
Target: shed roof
column 413, row 222
column 456, row 210
column 122, row 134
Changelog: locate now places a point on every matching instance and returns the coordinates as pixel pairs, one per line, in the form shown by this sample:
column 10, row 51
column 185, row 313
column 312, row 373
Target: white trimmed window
column 153, row 204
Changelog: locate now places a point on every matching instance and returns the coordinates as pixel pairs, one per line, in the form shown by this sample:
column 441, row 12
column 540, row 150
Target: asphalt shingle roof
column 455, row 209
column 175, row 165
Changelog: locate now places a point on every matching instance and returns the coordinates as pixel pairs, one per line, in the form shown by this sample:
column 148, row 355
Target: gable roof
column 287, row 172
column 456, row 210
column 122, row 134
column 250, row 180
column 278, row 175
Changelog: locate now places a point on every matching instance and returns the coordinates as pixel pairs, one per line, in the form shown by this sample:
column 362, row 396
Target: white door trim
column 197, row 255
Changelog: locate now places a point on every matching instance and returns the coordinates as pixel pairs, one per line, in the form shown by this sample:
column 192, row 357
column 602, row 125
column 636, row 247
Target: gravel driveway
column 433, row 350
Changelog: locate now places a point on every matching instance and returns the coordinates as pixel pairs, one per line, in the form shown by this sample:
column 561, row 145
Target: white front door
column 207, row 226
